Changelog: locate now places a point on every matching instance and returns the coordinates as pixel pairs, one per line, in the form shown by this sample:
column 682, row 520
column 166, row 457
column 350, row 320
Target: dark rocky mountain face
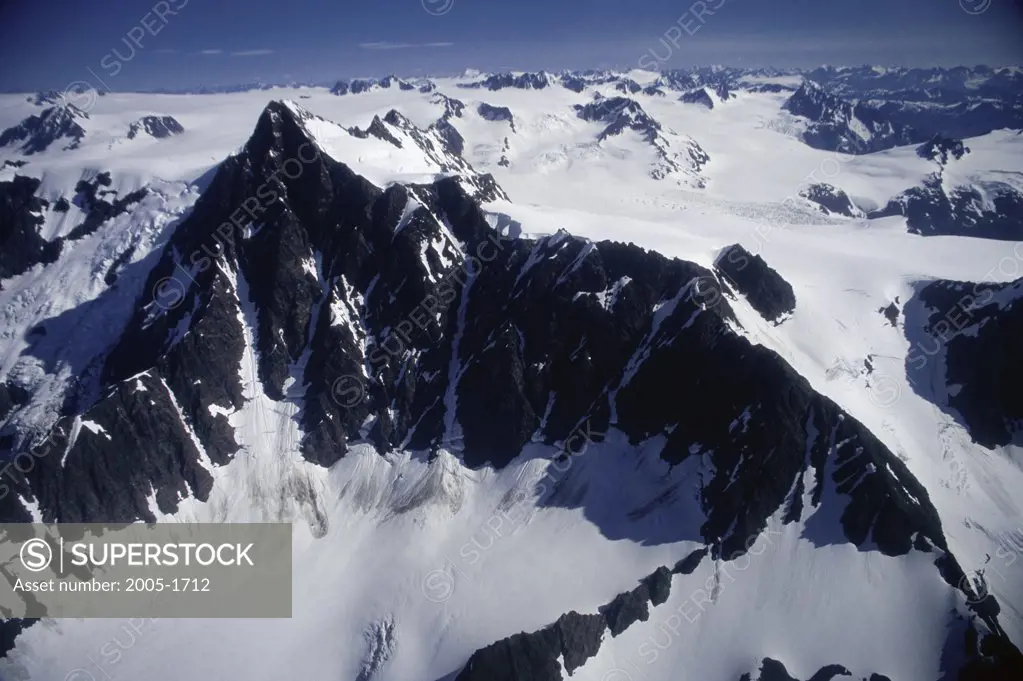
column 964, row 338
column 763, row 287
column 932, row 209
column 21, row 210
column 377, row 129
column 54, row 124
column 620, row 113
column 831, row 200
column 400, row 318
column 722, row 90
column 722, row 81
column 452, row 107
column 834, row 123
column 451, row 139
column 524, row 81
column 912, row 105
column 979, row 667
column 897, row 106
column 535, row 656
column 768, row 87
column 21, row 216
column 496, row 113
column 939, row 148
column 100, row 204
column 773, row 670
column 990, row 210
column 392, row 80
column 360, row 85
column 155, row 126
column 922, row 102
column 44, row 98
column 697, row 96
column 944, row 85
column 628, row 86
column 678, row 79
column 573, row 82
column 967, row 118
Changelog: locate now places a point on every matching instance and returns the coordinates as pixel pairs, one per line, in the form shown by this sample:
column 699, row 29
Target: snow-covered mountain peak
column 391, row 148
column 360, row 85
column 452, row 107
column 698, row 96
column 850, row 127
column 155, row 126
column 59, row 123
column 678, row 155
column 813, row 101
column 537, row 80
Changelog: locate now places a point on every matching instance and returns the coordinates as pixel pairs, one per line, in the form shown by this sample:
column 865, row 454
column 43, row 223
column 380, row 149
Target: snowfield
column 403, row 567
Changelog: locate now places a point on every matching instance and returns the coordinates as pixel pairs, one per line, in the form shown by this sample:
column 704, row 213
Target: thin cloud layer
column 237, row 53
column 384, row 45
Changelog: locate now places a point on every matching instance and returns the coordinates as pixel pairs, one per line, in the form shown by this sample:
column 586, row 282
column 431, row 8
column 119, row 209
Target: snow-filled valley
column 855, row 506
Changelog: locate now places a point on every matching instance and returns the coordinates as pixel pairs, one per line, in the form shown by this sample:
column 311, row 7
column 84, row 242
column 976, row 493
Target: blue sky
column 131, row 44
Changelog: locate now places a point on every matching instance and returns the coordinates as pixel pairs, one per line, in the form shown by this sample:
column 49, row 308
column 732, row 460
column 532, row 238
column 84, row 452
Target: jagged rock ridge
column 749, row 274
column 23, row 246
column 973, row 329
column 496, row 113
column 838, row 125
column 831, row 200
column 523, row 81
column 155, row 126
column 39, row 131
column 697, row 96
column 939, row 148
column 359, row 85
column 576, row 638
column 621, row 114
column 988, row 210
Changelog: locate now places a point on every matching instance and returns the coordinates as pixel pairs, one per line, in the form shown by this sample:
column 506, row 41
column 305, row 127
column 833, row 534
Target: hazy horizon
column 134, row 45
